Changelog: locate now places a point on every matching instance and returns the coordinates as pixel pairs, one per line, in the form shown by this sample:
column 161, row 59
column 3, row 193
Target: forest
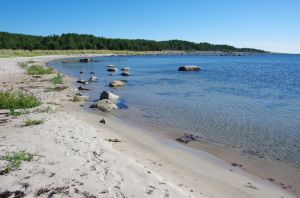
column 86, row 41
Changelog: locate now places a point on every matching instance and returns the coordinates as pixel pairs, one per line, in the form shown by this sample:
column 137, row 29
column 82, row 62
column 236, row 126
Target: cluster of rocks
column 107, row 102
column 113, row 68
column 186, row 138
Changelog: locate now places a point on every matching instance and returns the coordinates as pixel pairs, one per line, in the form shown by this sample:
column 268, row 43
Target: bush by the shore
column 19, row 100
column 38, row 70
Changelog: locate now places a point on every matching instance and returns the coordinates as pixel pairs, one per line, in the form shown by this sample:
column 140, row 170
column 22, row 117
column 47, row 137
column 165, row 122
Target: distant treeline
column 85, row 41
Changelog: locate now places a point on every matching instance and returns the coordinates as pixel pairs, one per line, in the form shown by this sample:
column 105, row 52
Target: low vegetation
column 38, row 70
column 15, row 113
column 17, row 100
column 76, row 99
column 14, row 160
column 32, row 122
column 58, row 79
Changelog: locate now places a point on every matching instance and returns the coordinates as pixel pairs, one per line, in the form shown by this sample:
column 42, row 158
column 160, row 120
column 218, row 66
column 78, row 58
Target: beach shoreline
column 192, row 171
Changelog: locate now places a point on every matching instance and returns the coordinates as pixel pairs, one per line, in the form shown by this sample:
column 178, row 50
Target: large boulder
column 117, row 83
column 109, row 96
column 105, row 105
column 189, row 68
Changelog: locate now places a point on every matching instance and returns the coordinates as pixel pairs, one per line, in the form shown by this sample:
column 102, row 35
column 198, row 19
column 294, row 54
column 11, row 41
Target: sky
column 272, row 25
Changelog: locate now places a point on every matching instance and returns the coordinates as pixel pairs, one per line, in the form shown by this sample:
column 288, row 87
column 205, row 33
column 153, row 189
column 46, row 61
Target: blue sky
column 267, row 24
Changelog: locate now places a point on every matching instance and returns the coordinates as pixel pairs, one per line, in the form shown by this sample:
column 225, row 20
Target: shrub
column 38, row 69
column 57, row 79
column 19, row 100
column 15, row 159
column 76, row 99
column 31, row 122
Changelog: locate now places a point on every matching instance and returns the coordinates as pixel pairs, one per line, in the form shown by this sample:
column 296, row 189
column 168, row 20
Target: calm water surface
column 248, row 102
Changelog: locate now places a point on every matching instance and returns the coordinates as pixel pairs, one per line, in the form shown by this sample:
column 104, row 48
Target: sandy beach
column 76, row 156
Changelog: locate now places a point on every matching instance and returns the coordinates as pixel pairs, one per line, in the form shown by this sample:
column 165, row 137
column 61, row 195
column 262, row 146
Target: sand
column 73, row 157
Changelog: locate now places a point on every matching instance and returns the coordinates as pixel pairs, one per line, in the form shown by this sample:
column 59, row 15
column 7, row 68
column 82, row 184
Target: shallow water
column 248, row 102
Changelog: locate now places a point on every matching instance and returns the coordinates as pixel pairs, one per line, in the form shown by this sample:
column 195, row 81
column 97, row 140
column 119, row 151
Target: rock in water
column 112, row 69
column 83, row 88
column 86, row 60
column 189, row 68
column 125, row 73
column 125, row 69
column 109, row 96
column 93, row 78
column 82, row 81
column 105, row 105
column 117, row 83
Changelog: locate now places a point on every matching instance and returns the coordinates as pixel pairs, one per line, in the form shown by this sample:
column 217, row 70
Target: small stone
column 102, row 121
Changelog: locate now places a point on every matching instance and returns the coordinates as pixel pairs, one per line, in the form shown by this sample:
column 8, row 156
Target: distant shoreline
column 6, row 53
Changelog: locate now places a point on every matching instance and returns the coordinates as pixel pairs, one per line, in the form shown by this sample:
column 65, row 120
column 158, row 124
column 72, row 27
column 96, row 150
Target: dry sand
column 74, row 159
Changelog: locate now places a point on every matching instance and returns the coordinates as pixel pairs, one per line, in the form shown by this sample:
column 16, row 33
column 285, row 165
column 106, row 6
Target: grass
column 76, row 99
column 32, row 122
column 58, row 79
column 39, row 70
column 15, row 159
column 17, row 100
column 26, row 111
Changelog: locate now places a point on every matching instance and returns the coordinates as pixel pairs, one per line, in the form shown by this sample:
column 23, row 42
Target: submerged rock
column 109, row 96
column 112, row 69
column 125, row 73
column 117, row 83
column 82, row 81
column 125, row 69
column 189, row 68
column 105, row 105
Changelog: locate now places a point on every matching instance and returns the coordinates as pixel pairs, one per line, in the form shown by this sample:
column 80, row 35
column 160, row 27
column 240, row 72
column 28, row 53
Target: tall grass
column 38, row 69
column 17, row 100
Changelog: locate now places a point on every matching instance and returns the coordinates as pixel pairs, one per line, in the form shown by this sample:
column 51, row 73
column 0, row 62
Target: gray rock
column 117, row 83
column 109, row 96
column 189, row 68
column 105, row 105
column 93, row 78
